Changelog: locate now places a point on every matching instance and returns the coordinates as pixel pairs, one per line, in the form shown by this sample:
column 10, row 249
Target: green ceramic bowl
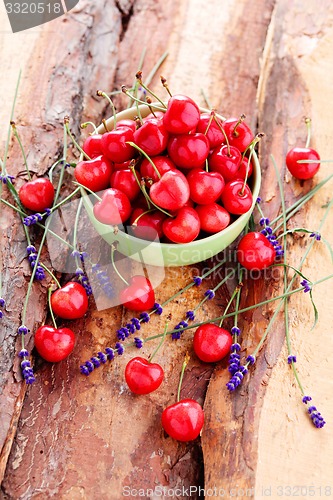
column 168, row 254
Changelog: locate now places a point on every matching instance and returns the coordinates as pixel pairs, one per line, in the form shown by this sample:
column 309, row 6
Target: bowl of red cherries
column 171, row 183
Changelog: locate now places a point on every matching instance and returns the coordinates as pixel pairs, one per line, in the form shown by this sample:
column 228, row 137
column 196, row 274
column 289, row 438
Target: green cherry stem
column 85, row 125
column 165, row 85
column 160, row 343
column 113, row 250
column 139, row 101
column 49, row 293
column 224, row 134
column 50, row 273
column 66, row 123
column 184, row 365
column 233, row 295
column 17, row 136
column 100, row 93
column 308, row 126
column 146, row 156
column 138, row 76
column 143, row 189
column 135, row 222
column 87, row 189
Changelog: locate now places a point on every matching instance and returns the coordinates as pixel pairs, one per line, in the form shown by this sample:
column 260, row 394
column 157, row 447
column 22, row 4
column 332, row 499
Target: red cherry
column 205, row 187
column 162, row 163
column 122, row 166
column 93, row 145
column 183, row 420
column 224, row 162
column 211, row 343
column 242, row 169
column 188, row 151
column 37, row 195
column 114, row 208
column 143, row 377
column 236, row 201
column 214, row 134
column 255, row 252
column 148, row 226
column 54, row 344
column 70, row 301
column 125, row 181
column 182, row 115
column 138, row 295
column 184, row 228
column 152, row 137
column 94, row 174
column 171, row 191
column 157, row 114
column 127, row 123
column 302, row 170
column 115, row 147
column 238, row 133
column 213, row 217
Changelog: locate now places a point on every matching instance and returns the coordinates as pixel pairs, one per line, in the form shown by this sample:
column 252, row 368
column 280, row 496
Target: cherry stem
column 212, row 114
column 135, row 222
column 138, row 76
column 149, row 101
column 105, row 125
column 185, row 363
column 50, row 307
column 51, row 274
column 314, row 161
column 161, row 342
column 308, row 126
column 100, row 93
column 224, row 134
column 146, row 156
column 241, row 119
column 250, row 148
column 247, row 172
column 85, row 125
column 143, row 189
column 165, row 85
column 136, row 99
column 66, row 123
column 16, row 134
column 87, row 189
column 207, row 165
column 206, row 99
column 113, row 249
column 50, row 174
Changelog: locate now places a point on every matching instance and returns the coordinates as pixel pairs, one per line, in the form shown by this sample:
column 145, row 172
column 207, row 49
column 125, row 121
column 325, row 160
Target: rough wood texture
column 88, row 438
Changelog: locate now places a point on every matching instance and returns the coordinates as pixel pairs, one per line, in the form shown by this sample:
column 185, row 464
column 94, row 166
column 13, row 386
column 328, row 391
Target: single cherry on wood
column 303, row 171
column 54, row 344
column 211, row 343
column 70, row 301
column 255, row 252
column 138, row 295
column 37, row 195
column 143, row 377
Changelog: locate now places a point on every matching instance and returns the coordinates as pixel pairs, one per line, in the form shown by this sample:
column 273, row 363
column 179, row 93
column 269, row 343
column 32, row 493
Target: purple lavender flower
column 190, row 316
column 259, row 200
column 251, row 360
column 32, row 219
column 237, row 378
column 235, row 331
column 2, row 302
column 306, row 285
column 144, row 317
column 210, row 294
column 291, row 359
column 138, row 342
column 22, row 330
column 119, row 348
column 32, row 257
column 27, row 372
column 158, row 309
column 316, row 417
column 6, row 178
column 1, row 314
column 197, row 280
column 23, row 353
column 136, row 323
column 316, row 235
column 82, row 278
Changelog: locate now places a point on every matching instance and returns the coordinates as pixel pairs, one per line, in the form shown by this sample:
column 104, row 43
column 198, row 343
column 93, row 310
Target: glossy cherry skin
column 182, row 115
column 54, row 344
column 125, row 165
column 224, row 163
column 152, row 137
column 234, row 200
column 213, row 217
column 37, row 194
column 188, row 150
column 125, row 181
column 243, row 168
column 114, row 208
column 93, row 145
column 94, row 174
column 211, row 343
column 255, row 252
column 138, row 295
column 184, row 420
column 240, row 137
column 302, row 171
column 162, row 163
column 205, row 187
column 127, row 123
column 148, row 226
column 70, row 301
column 171, row 192
column 214, row 135
column 143, row 377
column 115, row 147
column 184, row 228
column 157, row 114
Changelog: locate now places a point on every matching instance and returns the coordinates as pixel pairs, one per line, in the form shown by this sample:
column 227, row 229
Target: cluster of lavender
column 189, row 316
column 30, row 220
column 316, row 417
column 103, row 280
column 234, row 359
column 32, row 257
column 82, row 278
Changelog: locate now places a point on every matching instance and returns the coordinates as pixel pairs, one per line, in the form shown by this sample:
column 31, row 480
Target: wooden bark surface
column 89, row 437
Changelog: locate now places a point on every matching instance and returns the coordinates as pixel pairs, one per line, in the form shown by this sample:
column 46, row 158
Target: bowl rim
column 145, row 111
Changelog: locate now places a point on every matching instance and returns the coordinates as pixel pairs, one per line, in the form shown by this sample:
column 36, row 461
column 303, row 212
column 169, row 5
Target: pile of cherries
column 179, row 175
